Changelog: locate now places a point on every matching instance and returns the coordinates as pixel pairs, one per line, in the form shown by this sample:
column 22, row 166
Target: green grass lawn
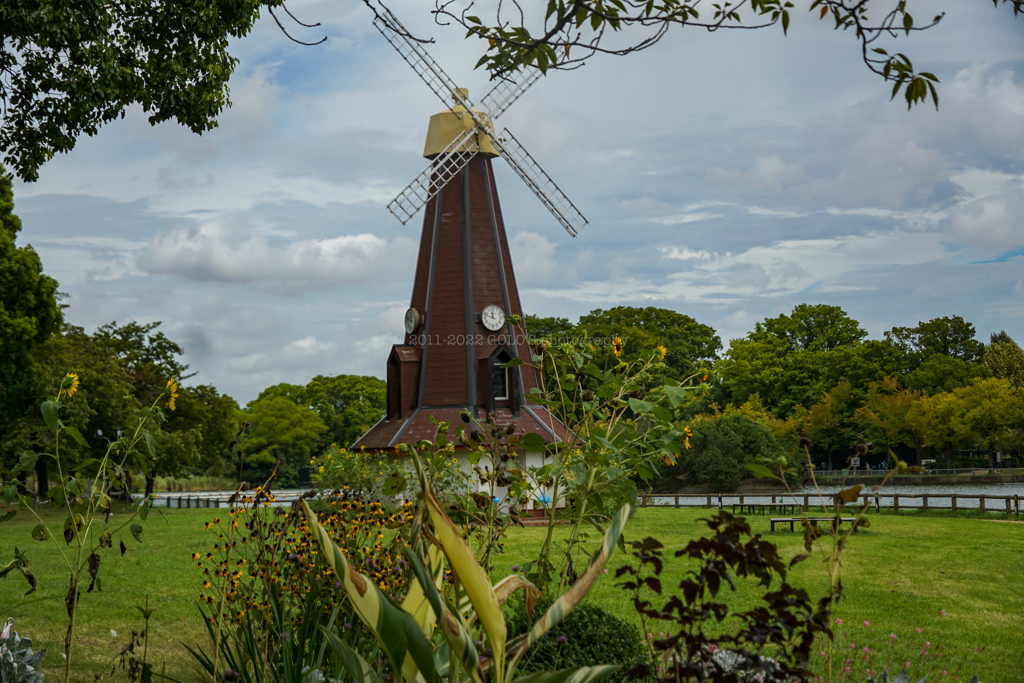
column 898, row 576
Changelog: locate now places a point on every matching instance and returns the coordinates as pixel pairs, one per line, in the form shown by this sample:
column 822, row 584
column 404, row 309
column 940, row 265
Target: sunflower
column 172, row 388
column 68, row 385
column 662, row 351
column 617, row 347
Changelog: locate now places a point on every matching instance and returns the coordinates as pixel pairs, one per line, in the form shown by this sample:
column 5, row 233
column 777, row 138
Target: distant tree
column 941, row 421
column 950, row 336
column 348, row 404
column 816, row 327
column 279, row 429
column 860, row 364
column 1006, row 360
column 785, row 359
column 883, row 417
column 688, row 343
column 939, row 373
column 554, row 329
column 198, row 432
column 830, row 424
column 29, row 312
column 1000, row 337
column 720, row 446
column 994, row 410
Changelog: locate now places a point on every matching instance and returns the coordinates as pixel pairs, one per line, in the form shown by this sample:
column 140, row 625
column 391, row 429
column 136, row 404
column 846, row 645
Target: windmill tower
column 458, row 341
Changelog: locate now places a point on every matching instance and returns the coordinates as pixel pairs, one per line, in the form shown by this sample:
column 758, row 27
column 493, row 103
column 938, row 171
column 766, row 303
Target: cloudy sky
column 728, row 176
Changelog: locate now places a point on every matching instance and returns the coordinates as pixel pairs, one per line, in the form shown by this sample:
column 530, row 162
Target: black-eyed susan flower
column 617, row 346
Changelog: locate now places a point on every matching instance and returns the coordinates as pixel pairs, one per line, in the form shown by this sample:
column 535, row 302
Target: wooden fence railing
column 928, row 501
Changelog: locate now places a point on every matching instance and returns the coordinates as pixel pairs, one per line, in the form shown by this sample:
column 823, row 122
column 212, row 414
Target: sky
column 727, row 176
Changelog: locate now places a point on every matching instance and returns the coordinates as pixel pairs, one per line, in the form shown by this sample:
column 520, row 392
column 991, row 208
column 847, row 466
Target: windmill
column 458, row 344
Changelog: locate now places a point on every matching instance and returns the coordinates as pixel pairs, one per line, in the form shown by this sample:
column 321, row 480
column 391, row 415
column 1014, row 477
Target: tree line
column 932, row 389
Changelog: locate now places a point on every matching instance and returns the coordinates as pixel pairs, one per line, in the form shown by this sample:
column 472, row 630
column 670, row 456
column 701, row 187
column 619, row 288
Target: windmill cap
column 451, row 123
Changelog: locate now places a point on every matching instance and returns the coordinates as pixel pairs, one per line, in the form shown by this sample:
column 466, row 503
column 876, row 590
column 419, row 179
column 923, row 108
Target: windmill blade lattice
column 420, row 61
column 430, row 181
column 527, row 168
column 506, row 92
column 461, row 150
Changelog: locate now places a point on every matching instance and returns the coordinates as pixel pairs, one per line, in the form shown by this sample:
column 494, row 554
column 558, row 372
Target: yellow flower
column 662, row 351
column 617, row 347
column 68, row 385
column 172, row 387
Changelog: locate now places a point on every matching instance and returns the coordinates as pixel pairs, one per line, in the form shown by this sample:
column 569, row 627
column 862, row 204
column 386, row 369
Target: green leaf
column 40, row 532
column 358, row 668
column 72, row 525
column 675, row 394
column 10, row 494
column 514, row 362
column 850, row 495
column 395, row 483
column 534, row 442
column 51, row 411
column 662, row 414
column 76, row 435
column 27, row 462
column 85, row 463
column 136, row 530
column 758, row 470
column 150, row 443
column 785, row 22
column 7, row 515
column 639, row 406
column 57, row 496
column 143, row 512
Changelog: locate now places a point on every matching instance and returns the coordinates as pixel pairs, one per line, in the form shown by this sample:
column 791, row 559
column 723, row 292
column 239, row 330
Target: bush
column 720, row 448
column 589, row 636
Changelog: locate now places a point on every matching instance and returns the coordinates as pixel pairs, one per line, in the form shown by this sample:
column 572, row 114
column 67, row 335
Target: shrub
column 721, row 446
column 18, row 663
column 589, row 636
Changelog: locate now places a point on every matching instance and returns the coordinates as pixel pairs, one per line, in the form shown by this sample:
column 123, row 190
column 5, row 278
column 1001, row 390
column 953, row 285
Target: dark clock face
column 412, row 320
column 493, row 318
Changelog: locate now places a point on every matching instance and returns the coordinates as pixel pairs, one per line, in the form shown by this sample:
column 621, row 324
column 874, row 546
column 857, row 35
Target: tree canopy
column 68, row 68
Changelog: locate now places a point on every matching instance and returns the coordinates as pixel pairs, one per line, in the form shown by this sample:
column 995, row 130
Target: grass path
column 898, row 576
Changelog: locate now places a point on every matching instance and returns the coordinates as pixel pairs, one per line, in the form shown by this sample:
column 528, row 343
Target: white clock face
column 493, row 318
column 412, row 320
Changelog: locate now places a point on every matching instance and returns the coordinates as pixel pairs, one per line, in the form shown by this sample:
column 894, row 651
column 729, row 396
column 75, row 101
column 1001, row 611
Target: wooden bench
column 811, row 520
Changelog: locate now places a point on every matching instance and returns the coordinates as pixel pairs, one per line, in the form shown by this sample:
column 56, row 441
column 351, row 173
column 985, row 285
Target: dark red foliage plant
column 772, row 642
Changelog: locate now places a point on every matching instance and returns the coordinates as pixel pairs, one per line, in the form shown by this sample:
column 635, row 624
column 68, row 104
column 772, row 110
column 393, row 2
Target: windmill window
column 499, row 382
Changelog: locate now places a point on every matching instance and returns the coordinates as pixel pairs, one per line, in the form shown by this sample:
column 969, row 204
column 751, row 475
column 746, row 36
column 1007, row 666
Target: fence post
column 953, row 498
column 1008, row 510
column 895, row 504
column 773, row 500
column 719, row 501
column 982, row 499
column 677, row 501
column 709, row 502
column 807, row 502
column 924, row 504
column 741, row 500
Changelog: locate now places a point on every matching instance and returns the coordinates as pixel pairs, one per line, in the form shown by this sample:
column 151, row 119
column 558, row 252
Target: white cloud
column 766, row 173
column 221, row 250
column 995, row 221
column 302, row 349
column 680, row 218
column 534, row 258
column 686, row 254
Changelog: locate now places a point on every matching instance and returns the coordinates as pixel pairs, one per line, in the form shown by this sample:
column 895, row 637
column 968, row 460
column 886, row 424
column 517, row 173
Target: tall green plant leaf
column 398, row 633
column 472, row 576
